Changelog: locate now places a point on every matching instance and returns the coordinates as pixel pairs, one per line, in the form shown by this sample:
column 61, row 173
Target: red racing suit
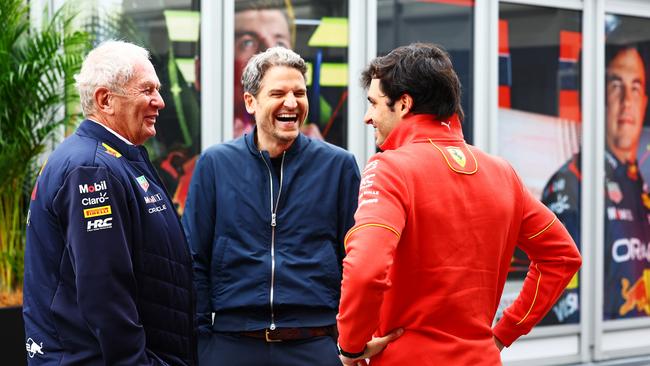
column 435, row 229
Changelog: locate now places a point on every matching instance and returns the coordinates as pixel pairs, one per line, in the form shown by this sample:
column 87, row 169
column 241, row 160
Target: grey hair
column 109, row 65
column 257, row 66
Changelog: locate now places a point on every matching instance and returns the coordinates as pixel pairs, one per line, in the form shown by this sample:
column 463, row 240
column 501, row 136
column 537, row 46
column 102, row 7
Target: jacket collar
column 300, row 143
column 421, row 127
column 94, row 130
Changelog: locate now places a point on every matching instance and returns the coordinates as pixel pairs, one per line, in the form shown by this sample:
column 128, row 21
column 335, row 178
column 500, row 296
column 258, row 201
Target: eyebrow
column 246, row 33
column 148, row 84
column 614, row 77
column 256, row 35
column 283, row 91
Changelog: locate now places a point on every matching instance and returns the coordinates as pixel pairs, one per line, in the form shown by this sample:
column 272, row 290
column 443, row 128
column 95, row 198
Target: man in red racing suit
column 435, row 229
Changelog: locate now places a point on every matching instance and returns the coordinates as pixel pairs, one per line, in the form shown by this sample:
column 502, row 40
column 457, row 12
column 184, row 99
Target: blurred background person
column 627, row 203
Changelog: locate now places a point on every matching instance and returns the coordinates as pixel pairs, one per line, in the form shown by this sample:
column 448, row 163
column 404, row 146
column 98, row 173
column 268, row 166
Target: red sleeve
column 370, row 247
column 554, row 259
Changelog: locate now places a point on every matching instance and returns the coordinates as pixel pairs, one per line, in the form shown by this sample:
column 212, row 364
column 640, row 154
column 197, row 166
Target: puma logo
column 446, row 124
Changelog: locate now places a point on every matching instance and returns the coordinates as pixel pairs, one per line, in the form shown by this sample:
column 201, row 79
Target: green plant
column 36, row 84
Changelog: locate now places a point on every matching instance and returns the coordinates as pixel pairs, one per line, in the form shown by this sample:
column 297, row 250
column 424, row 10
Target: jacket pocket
column 240, row 275
column 309, row 275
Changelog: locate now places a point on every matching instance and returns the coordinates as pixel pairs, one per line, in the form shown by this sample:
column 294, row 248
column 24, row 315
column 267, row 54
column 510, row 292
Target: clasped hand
column 373, row 347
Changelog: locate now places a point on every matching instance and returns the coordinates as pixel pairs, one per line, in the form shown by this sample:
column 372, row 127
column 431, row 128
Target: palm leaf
column 36, row 84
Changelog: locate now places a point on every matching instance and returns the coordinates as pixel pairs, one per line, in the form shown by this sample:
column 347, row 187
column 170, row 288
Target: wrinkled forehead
column 264, row 22
column 283, row 77
column 144, row 73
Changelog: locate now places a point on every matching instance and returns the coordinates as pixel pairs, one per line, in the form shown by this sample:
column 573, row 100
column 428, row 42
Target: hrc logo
column 100, row 224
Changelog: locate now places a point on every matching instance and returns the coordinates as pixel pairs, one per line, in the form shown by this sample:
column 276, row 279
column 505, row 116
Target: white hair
column 109, row 65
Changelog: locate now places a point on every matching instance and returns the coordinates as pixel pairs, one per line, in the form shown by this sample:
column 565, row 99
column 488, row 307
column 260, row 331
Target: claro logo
column 92, row 187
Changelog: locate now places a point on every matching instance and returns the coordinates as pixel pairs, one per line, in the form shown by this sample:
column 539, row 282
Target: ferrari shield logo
column 457, row 154
column 142, row 181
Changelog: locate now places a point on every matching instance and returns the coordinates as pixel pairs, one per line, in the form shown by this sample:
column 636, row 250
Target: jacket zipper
column 274, row 209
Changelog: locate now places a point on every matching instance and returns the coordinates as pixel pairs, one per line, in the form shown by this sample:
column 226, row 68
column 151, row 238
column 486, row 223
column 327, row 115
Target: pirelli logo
column 97, row 211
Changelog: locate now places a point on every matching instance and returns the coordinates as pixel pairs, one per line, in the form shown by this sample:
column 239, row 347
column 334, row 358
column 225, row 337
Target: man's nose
column 290, row 101
column 157, row 100
column 366, row 117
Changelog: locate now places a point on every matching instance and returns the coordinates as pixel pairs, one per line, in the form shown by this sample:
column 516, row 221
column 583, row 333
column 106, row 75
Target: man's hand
column 373, row 347
column 498, row 343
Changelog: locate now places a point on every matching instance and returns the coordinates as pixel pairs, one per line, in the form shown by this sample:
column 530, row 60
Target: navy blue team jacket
column 108, row 275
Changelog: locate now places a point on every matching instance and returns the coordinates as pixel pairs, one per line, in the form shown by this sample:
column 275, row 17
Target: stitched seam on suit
column 352, row 231
column 543, row 230
column 539, row 280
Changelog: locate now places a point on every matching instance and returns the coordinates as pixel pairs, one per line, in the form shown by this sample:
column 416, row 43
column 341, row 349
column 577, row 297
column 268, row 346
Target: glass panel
column 169, row 30
column 540, row 123
column 448, row 23
column 318, row 31
column 627, row 142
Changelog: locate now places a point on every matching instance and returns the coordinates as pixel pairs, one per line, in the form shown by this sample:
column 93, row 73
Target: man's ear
column 250, row 102
column 406, row 102
column 103, row 100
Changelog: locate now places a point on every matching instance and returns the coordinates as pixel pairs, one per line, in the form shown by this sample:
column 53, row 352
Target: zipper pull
column 273, row 219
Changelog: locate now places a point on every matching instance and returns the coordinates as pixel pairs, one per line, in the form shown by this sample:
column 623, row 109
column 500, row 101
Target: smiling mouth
column 287, row 117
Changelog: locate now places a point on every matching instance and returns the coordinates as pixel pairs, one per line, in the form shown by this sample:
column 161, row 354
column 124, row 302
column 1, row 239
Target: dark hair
column 613, row 50
column 242, row 5
column 279, row 5
column 423, row 71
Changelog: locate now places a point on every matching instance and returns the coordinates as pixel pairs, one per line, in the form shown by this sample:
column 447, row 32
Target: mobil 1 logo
column 92, row 187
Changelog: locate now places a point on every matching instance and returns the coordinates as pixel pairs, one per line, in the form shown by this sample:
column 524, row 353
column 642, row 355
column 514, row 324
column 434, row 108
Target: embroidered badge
column 142, row 181
column 33, row 348
column 459, row 159
column 457, row 154
column 111, row 151
column 97, row 211
column 614, row 192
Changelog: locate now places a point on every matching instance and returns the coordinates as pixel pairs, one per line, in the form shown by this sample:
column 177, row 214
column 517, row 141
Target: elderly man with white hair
column 108, row 274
